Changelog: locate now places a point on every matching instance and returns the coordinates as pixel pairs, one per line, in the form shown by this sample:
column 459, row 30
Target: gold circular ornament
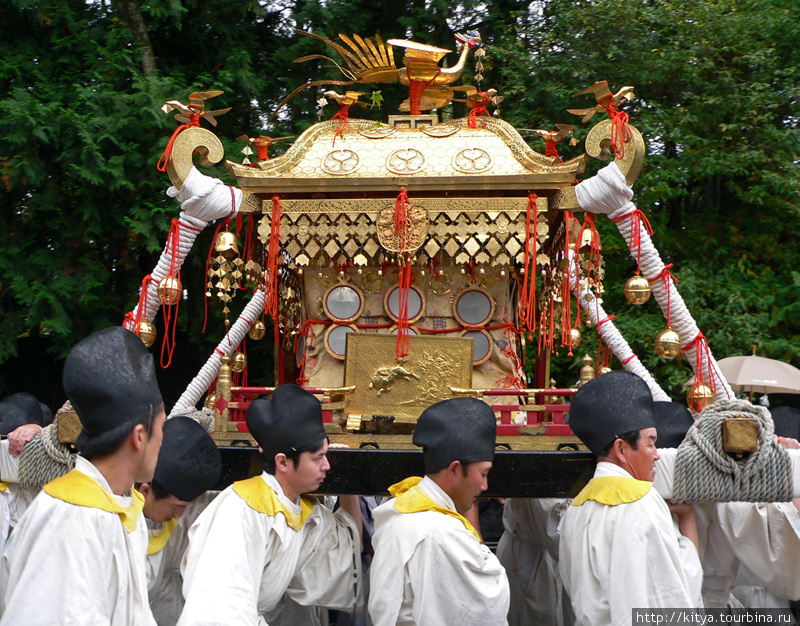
column 169, row 290
column 371, row 282
column 637, row 290
column 257, row 331
column 440, row 283
column 411, row 330
column 238, row 361
column 210, row 402
column 473, row 307
column 146, row 331
column 699, row 397
column 588, row 323
column 668, row 344
column 575, row 337
column 603, row 370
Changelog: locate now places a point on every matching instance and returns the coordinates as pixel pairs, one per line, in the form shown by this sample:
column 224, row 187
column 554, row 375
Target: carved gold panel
column 403, row 389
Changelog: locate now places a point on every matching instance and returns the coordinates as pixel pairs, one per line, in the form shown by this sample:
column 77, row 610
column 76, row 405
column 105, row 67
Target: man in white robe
column 261, row 538
column 619, row 549
column 189, row 464
column 528, row 550
column 78, row 554
column 430, row 565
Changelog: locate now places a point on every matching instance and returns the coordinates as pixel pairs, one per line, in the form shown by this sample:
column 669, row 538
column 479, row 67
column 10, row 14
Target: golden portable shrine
column 409, row 261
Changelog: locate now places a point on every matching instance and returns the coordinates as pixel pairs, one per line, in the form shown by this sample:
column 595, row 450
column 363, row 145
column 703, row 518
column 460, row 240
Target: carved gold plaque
column 403, row 389
column 415, row 235
column 340, row 162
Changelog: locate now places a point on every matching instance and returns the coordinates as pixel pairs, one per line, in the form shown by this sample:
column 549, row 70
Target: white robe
column 430, row 570
column 746, row 543
column 240, row 562
column 528, row 550
column 71, row 564
column 617, row 558
column 164, row 580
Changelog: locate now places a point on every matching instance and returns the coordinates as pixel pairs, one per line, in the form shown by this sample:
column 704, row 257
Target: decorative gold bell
column 587, row 371
column 603, row 369
column 668, row 344
column 226, row 245
column 210, row 402
column 169, row 290
column 637, row 290
column 575, row 337
column 257, row 331
column 699, row 397
column 238, row 361
column 146, row 331
column 588, row 323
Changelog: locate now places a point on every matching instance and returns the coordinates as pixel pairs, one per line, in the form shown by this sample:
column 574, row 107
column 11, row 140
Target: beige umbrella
column 756, row 374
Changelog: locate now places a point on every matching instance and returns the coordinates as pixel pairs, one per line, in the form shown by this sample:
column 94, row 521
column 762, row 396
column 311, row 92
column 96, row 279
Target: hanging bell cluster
column 225, row 270
column 637, row 290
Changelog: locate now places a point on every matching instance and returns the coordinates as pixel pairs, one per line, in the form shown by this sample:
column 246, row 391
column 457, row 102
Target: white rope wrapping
column 202, row 199
column 610, row 333
column 207, row 374
column 608, row 193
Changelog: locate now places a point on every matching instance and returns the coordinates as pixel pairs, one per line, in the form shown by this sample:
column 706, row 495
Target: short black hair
column 159, row 492
column 268, row 464
column 631, row 437
column 109, row 442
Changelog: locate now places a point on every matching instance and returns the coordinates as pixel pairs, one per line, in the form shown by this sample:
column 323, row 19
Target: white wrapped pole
column 610, row 333
column 199, row 385
column 608, row 192
column 202, row 199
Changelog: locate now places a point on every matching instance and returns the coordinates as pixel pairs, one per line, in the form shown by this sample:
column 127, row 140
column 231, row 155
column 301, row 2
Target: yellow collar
column 613, row 490
column 410, row 498
column 262, row 498
column 157, row 541
column 77, row 488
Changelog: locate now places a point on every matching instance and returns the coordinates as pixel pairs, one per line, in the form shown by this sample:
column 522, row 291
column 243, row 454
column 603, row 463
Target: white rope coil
column 199, row 385
column 608, row 193
column 203, row 199
column 610, row 333
column 704, row 472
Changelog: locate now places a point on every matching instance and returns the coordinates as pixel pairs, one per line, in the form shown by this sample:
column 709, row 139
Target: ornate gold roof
column 447, row 157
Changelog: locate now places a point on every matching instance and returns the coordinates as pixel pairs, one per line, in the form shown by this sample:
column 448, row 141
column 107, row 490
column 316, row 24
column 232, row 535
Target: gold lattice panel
column 490, row 231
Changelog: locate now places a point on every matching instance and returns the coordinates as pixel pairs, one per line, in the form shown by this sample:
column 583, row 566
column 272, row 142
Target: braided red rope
column 271, row 307
column 168, row 343
column 526, row 311
column 637, row 218
column 665, row 275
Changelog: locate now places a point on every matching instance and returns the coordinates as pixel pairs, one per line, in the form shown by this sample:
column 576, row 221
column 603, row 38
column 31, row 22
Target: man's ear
column 454, row 470
column 139, row 437
column 144, row 489
column 281, row 463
